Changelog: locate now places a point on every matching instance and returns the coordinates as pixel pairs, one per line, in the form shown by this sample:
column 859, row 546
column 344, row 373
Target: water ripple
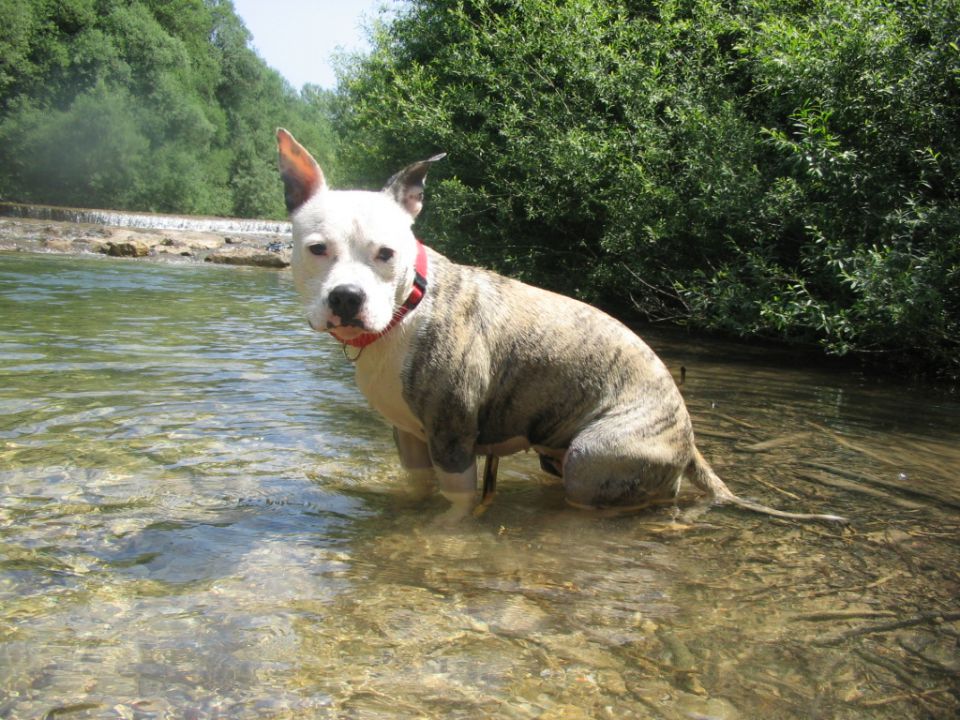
column 200, row 517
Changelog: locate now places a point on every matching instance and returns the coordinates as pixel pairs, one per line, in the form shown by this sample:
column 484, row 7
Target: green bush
column 770, row 168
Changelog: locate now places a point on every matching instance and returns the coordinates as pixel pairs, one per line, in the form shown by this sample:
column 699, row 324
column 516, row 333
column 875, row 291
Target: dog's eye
column 318, row 248
column 385, row 254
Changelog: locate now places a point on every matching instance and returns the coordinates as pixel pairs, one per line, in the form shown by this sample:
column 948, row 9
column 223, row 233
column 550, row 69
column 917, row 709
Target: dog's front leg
column 455, row 463
column 415, row 460
column 460, row 490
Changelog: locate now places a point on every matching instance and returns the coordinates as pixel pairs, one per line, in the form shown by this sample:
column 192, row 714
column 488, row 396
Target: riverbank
column 166, row 244
column 267, row 244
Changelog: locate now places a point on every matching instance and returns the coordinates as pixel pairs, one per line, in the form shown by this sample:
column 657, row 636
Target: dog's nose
column 346, row 301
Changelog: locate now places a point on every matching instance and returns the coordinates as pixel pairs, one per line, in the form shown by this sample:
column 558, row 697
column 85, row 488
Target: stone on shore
column 250, row 256
column 266, row 250
column 126, row 248
column 58, row 245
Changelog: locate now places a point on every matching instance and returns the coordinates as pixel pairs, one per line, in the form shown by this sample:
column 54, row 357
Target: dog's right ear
column 301, row 175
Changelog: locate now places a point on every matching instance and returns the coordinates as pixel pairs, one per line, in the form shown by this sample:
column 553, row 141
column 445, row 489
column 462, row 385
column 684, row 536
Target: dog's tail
column 703, row 477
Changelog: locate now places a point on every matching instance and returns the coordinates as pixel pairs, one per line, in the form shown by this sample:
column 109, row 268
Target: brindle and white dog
column 464, row 362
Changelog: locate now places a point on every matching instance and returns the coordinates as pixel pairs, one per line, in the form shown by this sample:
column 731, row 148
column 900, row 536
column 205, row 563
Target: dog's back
column 499, row 359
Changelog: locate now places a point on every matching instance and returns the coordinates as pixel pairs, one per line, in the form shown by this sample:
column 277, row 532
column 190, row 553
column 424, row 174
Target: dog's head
column 353, row 251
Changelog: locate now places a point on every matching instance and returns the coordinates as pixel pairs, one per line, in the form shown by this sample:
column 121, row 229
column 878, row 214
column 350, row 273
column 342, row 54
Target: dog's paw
column 460, row 510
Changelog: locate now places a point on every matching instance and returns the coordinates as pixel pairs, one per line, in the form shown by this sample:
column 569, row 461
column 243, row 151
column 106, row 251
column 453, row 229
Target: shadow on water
column 201, row 518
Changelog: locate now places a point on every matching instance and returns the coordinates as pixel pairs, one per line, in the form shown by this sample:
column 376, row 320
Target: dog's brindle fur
column 486, row 365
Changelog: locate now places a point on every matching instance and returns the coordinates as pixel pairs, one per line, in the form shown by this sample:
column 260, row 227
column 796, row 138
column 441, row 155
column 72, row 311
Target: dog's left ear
column 406, row 187
column 302, row 177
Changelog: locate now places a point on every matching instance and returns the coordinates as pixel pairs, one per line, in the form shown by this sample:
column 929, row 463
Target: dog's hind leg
column 490, row 468
column 608, row 467
column 551, row 465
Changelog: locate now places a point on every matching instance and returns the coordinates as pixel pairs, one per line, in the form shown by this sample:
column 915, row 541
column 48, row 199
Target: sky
column 299, row 37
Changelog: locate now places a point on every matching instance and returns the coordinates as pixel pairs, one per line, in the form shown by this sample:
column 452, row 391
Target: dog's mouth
column 351, row 323
column 346, row 330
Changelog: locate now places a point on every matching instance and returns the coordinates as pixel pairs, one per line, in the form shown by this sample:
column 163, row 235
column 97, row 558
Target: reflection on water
column 200, row 518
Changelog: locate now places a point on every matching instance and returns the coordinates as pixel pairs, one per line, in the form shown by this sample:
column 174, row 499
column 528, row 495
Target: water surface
column 201, row 518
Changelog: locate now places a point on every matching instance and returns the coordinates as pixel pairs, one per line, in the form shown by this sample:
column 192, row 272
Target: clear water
column 200, row 518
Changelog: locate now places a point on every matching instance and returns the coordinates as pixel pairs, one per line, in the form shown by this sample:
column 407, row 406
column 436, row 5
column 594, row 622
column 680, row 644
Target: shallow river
column 200, row 518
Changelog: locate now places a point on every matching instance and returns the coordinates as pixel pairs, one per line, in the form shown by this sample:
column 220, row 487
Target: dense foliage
column 777, row 168
column 144, row 104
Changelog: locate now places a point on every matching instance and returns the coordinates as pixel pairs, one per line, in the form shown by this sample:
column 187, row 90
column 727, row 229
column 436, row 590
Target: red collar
column 413, row 299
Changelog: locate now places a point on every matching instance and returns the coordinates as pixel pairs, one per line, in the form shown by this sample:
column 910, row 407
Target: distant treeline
column 785, row 169
column 156, row 105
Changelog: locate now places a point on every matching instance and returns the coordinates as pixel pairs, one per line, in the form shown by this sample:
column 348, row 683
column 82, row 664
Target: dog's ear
column 301, row 175
column 406, row 187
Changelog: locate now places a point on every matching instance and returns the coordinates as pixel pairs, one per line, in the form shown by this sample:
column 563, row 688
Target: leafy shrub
column 777, row 168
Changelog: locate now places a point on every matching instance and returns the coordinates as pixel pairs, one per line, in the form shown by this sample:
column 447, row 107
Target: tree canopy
column 144, row 104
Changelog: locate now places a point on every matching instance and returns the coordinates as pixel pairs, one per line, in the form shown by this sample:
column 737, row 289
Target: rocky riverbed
column 173, row 244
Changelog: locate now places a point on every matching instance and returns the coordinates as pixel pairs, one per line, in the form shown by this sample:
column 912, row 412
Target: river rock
column 577, row 649
column 566, row 712
column 250, row 256
column 197, row 241
column 267, row 249
column 58, row 244
column 126, row 248
column 692, row 706
column 181, row 250
column 612, row 682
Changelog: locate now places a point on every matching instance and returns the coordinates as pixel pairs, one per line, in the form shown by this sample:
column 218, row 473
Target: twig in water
column 829, row 616
column 774, row 443
column 886, row 485
column 850, row 445
column 928, row 617
column 856, row 588
column 775, row 487
column 718, row 435
column 839, row 482
column 734, row 420
column 903, row 697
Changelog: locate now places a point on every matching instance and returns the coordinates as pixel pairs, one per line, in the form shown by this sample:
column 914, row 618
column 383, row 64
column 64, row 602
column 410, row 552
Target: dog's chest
column 379, row 378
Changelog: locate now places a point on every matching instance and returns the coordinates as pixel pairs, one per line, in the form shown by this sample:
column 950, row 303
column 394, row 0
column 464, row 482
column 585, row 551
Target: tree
column 92, row 153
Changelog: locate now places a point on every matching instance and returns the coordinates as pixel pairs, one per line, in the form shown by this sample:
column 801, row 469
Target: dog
column 464, row 362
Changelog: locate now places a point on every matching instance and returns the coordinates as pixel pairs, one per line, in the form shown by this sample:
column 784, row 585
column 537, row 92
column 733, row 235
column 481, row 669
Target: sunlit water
column 200, row 518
